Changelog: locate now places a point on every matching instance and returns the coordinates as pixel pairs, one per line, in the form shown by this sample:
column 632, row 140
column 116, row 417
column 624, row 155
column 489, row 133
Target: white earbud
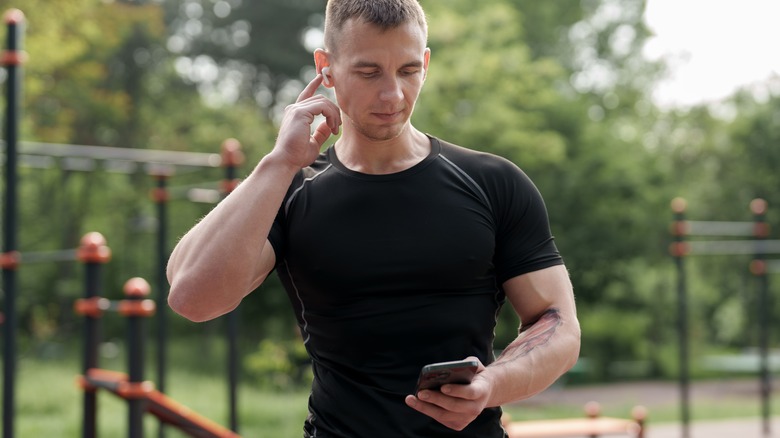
column 325, row 78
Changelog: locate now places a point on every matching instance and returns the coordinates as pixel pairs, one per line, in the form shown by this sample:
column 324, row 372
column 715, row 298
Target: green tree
column 251, row 48
column 98, row 74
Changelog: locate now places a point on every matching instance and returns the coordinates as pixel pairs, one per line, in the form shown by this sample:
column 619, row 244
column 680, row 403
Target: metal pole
column 761, row 231
column 93, row 252
column 160, row 197
column 12, row 59
column 679, row 250
column 134, row 308
column 232, row 157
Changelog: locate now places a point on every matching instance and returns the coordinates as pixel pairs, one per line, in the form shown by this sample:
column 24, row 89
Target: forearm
column 219, row 260
column 542, row 352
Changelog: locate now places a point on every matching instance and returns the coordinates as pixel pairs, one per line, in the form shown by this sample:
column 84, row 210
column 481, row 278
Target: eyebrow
column 367, row 64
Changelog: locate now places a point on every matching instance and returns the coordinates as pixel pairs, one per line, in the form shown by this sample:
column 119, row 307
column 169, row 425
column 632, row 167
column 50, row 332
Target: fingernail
column 423, row 395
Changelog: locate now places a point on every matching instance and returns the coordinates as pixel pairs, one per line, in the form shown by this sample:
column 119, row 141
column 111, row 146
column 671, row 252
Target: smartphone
column 433, row 376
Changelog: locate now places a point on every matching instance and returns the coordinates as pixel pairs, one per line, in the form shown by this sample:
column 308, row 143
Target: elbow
column 182, row 305
column 188, row 302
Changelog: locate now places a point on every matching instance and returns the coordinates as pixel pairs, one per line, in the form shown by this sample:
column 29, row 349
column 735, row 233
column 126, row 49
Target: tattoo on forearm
column 535, row 334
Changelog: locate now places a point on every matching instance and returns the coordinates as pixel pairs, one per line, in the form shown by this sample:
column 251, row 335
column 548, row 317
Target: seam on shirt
column 305, row 327
column 303, row 184
column 465, row 175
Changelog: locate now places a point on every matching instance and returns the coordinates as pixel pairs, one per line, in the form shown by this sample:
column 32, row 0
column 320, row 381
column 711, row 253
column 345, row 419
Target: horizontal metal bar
column 720, row 228
column 733, row 247
column 36, row 161
column 193, row 159
column 205, row 196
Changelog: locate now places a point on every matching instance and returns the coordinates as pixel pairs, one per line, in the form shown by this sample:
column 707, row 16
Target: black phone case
column 435, row 375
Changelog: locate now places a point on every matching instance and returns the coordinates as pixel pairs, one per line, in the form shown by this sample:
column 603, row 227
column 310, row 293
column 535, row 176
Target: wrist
column 278, row 162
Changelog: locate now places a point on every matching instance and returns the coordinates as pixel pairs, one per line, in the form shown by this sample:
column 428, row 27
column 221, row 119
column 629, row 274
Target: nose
column 392, row 90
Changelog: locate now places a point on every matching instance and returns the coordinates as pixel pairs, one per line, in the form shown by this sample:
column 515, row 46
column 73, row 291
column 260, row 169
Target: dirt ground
column 650, row 394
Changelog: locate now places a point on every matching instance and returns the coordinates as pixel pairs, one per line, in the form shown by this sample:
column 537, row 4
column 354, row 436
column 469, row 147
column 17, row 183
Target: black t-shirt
column 387, row 273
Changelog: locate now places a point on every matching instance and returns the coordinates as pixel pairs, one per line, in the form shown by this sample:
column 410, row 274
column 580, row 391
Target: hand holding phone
column 433, row 376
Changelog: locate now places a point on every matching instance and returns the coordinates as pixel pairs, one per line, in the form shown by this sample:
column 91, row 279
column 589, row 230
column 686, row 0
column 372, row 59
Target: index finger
column 310, row 89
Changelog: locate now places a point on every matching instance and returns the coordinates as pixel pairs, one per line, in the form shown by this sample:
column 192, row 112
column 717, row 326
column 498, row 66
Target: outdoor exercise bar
column 12, row 59
column 758, row 247
column 93, row 253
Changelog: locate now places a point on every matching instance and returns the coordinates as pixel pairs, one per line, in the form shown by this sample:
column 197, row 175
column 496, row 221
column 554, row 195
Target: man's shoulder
column 473, row 159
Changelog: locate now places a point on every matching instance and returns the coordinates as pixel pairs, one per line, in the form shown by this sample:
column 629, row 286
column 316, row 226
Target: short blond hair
column 385, row 14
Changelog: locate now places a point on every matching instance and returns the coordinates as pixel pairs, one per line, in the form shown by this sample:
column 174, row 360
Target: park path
column 665, row 394
column 735, row 428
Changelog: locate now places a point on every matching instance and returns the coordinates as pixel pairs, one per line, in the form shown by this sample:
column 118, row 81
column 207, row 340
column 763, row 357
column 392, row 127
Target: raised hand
column 296, row 143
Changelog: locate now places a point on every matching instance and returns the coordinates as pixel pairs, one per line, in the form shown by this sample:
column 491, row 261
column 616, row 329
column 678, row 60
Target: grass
column 49, row 403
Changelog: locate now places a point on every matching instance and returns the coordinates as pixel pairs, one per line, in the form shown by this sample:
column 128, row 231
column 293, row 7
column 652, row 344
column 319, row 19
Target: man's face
column 378, row 75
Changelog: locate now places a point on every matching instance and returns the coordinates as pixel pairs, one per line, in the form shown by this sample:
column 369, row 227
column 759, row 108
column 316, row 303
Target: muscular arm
column 549, row 341
column 227, row 255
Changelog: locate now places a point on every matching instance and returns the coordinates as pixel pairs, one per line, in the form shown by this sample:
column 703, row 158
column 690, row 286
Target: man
column 397, row 249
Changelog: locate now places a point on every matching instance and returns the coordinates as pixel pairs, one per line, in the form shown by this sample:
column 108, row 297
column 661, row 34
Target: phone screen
column 433, row 376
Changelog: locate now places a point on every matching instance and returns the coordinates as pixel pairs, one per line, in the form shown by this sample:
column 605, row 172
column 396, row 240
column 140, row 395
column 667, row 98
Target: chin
column 384, row 133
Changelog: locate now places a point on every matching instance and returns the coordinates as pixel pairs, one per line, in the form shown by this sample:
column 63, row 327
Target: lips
column 389, row 116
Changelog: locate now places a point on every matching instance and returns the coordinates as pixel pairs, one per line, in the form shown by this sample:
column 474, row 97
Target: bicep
column 536, row 292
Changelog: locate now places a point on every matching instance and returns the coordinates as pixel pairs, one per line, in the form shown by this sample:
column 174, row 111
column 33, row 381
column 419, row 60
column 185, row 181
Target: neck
column 380, row 157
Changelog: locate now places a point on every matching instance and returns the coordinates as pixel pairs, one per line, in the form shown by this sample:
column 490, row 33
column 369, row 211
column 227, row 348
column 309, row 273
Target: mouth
column 389, row 117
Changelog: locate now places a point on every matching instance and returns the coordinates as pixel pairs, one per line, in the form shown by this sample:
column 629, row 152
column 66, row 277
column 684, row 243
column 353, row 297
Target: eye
column 368, row 73
column 410, row 72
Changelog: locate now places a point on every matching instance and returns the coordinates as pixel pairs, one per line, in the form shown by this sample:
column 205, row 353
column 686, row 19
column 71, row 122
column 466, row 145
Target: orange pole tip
column 13, row 16
column 161, row 171
column 758, row 206
column 93, row 238
column 136, row 287
column 592, row 409
column 679, row 205
column 639, row 413
column 93, row 249
column 231, row 153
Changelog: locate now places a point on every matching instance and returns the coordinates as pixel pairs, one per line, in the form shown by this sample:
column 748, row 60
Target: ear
column 322, row 66
column 426, row 62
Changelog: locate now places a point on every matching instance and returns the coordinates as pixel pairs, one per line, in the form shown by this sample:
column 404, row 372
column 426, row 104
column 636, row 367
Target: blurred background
column 610, row 106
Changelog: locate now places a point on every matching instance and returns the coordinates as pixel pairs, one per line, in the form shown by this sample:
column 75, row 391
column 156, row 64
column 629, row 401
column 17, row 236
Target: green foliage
column 488, row 94
column 279, row 365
